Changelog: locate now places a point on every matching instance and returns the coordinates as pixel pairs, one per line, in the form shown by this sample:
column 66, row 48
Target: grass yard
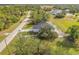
column 28, row 26
column 63, row 23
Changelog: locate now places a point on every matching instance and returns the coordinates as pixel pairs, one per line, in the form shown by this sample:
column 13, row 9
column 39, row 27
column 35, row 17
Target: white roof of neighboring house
column 67, row 10
column 69, row 14
column 56, row 11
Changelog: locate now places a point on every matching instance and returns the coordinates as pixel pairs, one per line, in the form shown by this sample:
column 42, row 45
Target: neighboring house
column 59, row 11
column 69, row 16
column 67, row 11
column 56, row 11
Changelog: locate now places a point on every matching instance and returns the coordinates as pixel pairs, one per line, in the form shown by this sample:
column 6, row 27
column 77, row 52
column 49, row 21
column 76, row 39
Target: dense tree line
column 10, row 14
column 39, row 15
column 71, row 7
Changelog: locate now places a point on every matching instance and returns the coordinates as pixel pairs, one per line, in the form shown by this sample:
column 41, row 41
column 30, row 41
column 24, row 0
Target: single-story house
column 36, row 28
column 56, row 11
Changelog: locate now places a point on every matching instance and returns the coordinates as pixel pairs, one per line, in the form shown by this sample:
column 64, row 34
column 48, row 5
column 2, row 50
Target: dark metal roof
column 42, row 25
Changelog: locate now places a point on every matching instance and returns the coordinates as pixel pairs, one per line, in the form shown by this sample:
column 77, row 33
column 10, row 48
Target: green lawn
column 63, row 23
column 28, row 26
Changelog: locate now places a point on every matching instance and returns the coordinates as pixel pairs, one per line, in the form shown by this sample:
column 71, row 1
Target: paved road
column 10, row 37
